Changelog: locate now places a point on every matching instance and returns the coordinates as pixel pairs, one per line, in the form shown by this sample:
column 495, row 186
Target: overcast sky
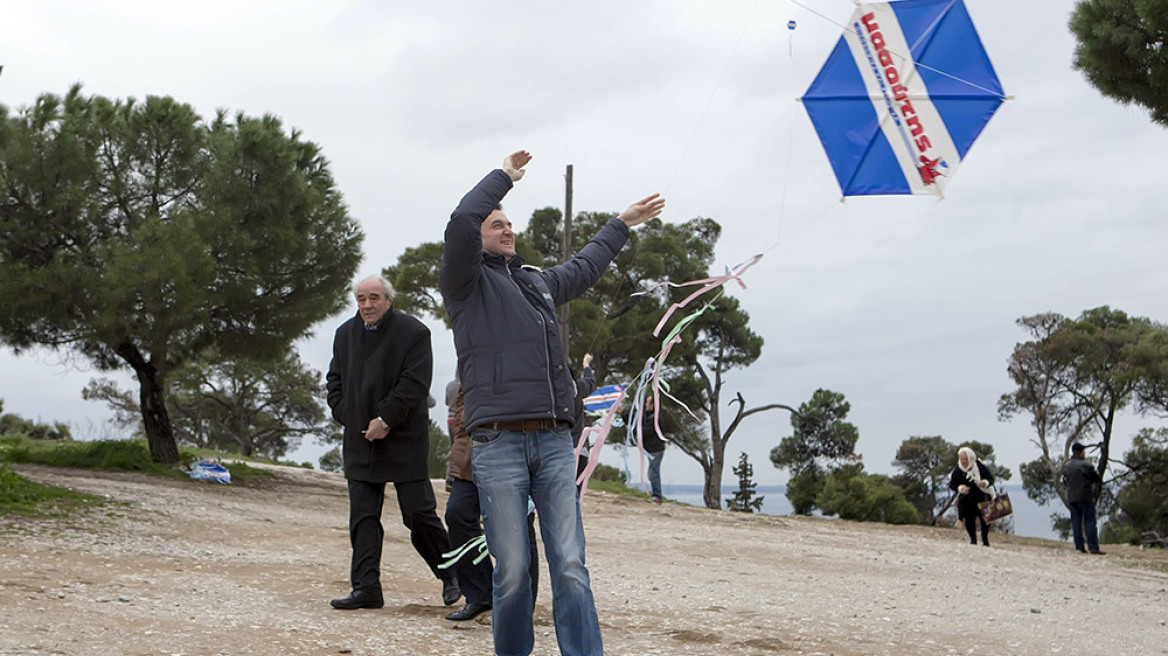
column 905, row 305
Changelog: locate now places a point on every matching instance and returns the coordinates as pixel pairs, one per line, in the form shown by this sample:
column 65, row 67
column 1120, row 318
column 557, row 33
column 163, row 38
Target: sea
column 1030, row 519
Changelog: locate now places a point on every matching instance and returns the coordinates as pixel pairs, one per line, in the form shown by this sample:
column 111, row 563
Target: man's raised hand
column 643, row 210
column 513, row 164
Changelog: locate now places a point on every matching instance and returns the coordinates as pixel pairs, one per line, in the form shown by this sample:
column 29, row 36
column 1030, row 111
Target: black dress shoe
column 359, row 600
column 450, row 591
column 469, row 612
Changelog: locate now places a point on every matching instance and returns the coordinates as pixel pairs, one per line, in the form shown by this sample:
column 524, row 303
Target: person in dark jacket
column 463, row 519
column 970, row 480
column 585, row 385
column 654, row 447
column 378, row 385
column 1080, row 479
column 452, row 390
column 519, row 403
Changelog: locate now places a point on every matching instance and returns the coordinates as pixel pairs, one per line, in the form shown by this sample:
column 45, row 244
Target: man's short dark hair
column 1077, row 448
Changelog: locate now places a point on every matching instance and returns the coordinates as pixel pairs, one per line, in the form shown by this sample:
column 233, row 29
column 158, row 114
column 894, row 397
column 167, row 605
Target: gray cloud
column 905, row 305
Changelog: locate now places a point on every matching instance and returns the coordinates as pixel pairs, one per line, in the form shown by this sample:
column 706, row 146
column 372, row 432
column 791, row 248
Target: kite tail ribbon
column 478, row 542
column 734, row 274
column 599, row 436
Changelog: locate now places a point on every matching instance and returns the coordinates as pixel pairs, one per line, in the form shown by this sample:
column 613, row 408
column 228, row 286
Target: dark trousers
column 971, row 521
column 462, row 516
column 581, row 465
column 1083, row 524
column 416, row 501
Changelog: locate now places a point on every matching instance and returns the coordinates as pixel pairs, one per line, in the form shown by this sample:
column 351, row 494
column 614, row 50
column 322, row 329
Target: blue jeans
column 1083, row 517
column 655, row 472
column 508, row 467
column 462, row 520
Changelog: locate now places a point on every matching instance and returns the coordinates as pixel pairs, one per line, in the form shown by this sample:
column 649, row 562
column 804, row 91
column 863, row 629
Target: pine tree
column 138, row 235
column 1121, row 50
column 743, row 500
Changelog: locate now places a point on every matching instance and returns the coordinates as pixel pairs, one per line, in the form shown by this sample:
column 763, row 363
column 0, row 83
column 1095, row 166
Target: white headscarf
column 971, row 471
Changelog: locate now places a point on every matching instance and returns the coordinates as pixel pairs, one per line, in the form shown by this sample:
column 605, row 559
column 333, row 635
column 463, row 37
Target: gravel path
column 181, row 567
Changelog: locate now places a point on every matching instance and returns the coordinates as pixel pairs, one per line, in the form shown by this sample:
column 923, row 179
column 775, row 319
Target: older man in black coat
column 378, row 385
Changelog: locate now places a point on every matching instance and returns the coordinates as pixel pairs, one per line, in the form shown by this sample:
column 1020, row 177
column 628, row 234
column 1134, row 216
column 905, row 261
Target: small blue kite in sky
column 892, row 123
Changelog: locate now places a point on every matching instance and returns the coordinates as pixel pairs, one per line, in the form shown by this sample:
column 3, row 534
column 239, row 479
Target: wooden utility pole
column 567, row 253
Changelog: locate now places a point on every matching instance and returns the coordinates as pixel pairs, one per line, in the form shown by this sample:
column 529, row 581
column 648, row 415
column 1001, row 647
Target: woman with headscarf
column 971, row 480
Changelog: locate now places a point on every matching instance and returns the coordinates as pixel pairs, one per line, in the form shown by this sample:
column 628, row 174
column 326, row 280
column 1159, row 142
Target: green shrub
column 20, row 496
column 616, row 487
column 608, row 473
column 331, row 461
column 15, row 424
column 242, row 473
column 128, row 455
column 115, row 455
column 1114, row 533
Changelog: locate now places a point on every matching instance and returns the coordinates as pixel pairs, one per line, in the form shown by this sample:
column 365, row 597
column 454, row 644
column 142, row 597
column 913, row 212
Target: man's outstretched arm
column 464, row 244
column 574, row 277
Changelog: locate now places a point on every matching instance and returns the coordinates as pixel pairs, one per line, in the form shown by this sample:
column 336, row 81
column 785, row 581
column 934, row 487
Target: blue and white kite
column 903, row 96
column 603, row 398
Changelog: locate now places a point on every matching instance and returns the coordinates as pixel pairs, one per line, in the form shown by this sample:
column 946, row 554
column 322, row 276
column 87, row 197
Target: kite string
column 677, row 169
column 713, row 93
column 786, row 178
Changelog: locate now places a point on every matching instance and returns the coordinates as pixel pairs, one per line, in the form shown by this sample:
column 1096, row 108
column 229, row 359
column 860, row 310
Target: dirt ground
column 183, row 567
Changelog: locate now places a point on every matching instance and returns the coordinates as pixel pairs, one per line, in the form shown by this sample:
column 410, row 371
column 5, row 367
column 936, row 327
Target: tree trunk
column 712, row 492
column 1105, row 449
column 156, row 421
column 159, row 434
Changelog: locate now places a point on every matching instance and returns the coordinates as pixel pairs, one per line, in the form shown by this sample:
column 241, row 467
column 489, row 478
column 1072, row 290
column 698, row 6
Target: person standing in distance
column 654, row 447
column 452, row 389
column 520, row 401
column 970, row 480
column 1080, row 479
column 585, row 385
column 378, row 385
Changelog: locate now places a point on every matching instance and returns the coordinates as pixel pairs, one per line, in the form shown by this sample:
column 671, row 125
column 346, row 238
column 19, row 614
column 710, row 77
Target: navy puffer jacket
column 506, row 331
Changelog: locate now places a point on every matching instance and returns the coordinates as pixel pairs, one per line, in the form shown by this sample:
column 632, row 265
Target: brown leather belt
column 525, row 425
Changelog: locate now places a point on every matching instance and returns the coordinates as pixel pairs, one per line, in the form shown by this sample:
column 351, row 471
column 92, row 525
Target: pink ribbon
column 734, row 274
column 599, row 436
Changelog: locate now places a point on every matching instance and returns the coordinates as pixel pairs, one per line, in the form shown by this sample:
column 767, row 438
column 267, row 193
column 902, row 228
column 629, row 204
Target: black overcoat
column 967, row 503
column 387, row 373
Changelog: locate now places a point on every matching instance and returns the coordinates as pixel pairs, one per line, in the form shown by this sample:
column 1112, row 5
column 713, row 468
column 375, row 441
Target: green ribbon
column 478, row 542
